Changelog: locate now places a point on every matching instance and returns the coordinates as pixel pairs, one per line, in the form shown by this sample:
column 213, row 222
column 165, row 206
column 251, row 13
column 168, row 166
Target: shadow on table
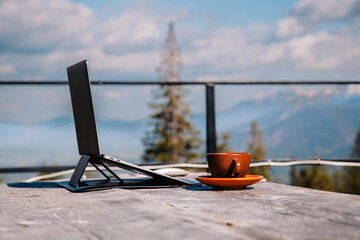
column 209, row 188
column 196, row 187
column 33, row 185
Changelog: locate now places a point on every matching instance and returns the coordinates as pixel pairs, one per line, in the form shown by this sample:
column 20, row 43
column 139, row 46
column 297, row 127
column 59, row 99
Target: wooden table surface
column 41, row 210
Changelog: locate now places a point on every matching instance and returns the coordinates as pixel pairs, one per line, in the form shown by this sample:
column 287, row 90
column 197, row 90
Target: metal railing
column 210, row 113
column 204, row 167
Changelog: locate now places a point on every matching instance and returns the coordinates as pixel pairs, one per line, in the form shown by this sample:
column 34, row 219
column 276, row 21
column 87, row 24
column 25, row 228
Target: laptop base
column 154, row 180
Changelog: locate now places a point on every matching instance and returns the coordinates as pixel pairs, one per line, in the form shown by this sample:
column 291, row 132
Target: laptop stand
column 89, row 149
column 155, row 180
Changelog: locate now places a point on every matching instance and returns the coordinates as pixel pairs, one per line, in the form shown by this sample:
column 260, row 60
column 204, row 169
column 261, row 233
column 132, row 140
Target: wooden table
column 41, row 210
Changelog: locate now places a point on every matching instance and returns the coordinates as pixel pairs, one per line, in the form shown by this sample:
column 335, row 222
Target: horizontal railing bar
column 203, row 165
column 250, row 82
column 354, row 160
column 268, row 162
column 306, row 162
column 36, row 169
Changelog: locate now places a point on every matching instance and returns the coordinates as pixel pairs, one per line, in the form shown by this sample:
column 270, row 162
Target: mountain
column 323, row 129
column 302, row 126
column 294, row 123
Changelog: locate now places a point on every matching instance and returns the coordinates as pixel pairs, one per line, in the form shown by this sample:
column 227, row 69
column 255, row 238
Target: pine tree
column 315, row 177
column 352, row 174
column 293, row 172
column 337, row 184
column 257, row 149
column 356, row 148
column 173, row 138
column 319, row 179
column 293, row 176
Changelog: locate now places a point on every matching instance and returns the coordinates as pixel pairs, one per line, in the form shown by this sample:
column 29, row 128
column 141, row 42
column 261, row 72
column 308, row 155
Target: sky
column 219, row 40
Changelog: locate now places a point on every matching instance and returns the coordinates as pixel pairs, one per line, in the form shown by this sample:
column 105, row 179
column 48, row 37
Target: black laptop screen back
column 84, row 117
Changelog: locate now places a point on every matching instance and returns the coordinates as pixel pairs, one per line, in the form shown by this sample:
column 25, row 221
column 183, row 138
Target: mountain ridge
column 293, row 124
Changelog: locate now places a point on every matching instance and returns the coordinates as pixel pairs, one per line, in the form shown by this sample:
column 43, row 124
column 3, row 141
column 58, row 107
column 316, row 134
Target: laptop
column 89, row 148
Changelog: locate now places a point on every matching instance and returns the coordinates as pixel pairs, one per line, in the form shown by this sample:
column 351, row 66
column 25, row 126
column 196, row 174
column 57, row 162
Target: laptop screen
column 82, row 105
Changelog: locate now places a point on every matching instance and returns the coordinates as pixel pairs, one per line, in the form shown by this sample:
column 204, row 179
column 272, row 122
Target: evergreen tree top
column 171, row 38
column 171, row 63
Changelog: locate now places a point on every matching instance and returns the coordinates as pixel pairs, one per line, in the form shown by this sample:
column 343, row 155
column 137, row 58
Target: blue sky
column 284, row 39
column 220, row 40
column 229, row 12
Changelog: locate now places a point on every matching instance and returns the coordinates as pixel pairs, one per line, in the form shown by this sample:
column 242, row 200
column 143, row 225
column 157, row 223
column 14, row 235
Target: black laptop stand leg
column 77, row 185
column 102, row 172
column 112, row 173
column 155, row 181
column 81, row 167
column 79, row 171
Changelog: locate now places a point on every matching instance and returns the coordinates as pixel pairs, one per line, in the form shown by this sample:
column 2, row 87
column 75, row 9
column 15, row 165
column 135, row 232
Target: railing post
column 210, row 119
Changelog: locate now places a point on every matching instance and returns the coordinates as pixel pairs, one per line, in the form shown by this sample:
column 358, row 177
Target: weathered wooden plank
column 263, row 211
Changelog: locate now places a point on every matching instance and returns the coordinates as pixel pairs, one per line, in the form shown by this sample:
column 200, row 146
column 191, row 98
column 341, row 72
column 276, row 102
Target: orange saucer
column 229, row 183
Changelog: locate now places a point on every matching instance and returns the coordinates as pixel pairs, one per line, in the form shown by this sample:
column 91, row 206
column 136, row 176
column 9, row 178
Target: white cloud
column 51, row 35
column 128, row 63
column 288, row 27
column 40, row 25
column 309, row 15
column 58, row 33
column 353, row 90
column 274, row 52
column 222, row 49
column 324, row 51
column 131, row 28
column 111, row 94
column 8, row 107
column 322, row 11
column 301, row 47
column 7, row 69
column 21, row 104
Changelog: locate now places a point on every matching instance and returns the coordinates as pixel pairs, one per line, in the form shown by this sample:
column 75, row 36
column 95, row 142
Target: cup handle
column 237, row 167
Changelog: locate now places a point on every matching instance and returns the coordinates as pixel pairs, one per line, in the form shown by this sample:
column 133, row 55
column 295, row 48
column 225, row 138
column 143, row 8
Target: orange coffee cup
column 228, row 165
